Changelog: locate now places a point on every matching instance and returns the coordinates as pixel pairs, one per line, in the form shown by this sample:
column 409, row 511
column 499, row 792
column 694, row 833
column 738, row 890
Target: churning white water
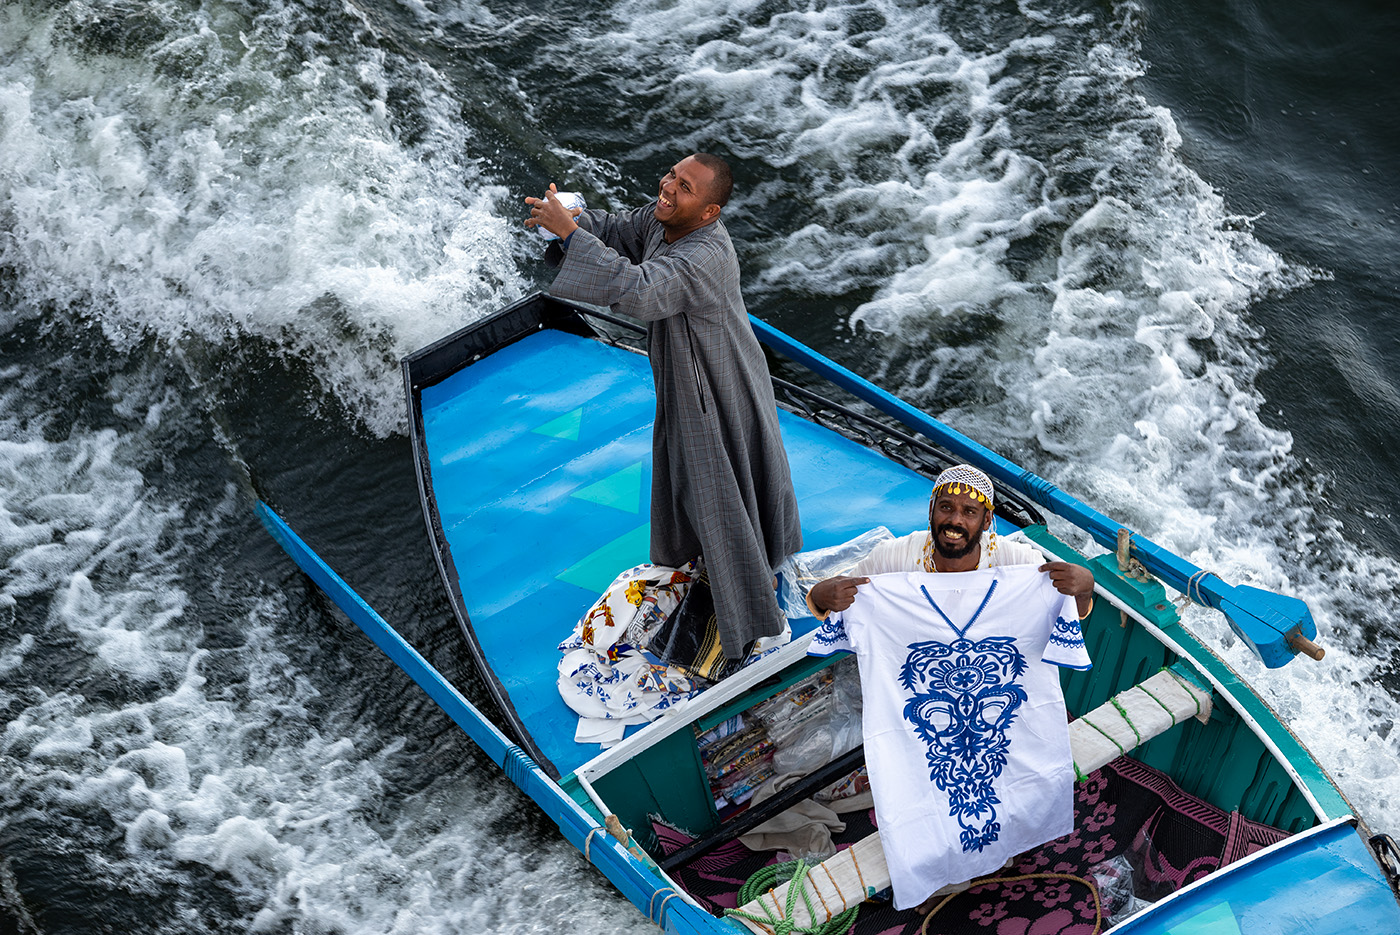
column 976, row 206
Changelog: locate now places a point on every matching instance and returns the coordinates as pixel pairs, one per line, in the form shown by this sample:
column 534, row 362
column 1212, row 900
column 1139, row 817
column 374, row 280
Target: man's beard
column 969, row 543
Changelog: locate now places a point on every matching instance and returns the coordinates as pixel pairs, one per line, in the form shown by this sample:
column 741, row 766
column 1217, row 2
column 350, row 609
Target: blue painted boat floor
column 1313, row 884
column 541, row 464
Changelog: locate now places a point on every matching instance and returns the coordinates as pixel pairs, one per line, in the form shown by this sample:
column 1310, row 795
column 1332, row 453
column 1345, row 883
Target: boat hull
column 531, row 437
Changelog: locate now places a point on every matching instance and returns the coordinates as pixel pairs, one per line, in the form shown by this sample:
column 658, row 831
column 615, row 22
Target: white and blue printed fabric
column 608, row 678
column 605, row 675
column 966, row 739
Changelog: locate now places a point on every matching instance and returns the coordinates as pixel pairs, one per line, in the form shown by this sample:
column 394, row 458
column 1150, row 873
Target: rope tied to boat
column 779, row 919
column 1170, row 713
column 659, row 915
column 1187, row 686
column 517, row 765
column 1106, row 734
column 613, row 826
column 1193, row 592
column 588, row 842
column 1123, row 713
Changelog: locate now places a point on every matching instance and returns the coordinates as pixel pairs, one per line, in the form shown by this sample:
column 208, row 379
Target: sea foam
column 230, row 183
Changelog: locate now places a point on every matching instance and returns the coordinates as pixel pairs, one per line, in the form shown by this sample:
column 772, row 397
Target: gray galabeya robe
column 720, row 479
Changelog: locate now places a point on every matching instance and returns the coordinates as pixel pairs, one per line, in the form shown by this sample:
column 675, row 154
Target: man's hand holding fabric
column 1074, row 580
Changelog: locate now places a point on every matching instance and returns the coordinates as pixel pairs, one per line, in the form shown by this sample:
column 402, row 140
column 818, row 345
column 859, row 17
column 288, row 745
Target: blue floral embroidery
column 832, row 633
column 1067, row 633
column 964, row 698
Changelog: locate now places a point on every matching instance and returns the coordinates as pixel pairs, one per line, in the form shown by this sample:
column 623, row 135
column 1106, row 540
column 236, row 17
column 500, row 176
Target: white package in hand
column 570, row 200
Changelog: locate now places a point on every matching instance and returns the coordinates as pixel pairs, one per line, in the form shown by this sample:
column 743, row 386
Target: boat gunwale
column 634, row 876
column 427, row 367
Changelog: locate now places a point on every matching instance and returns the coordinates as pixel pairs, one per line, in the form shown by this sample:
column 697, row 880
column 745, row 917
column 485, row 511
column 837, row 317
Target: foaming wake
column 166, row 763
column 201, row 171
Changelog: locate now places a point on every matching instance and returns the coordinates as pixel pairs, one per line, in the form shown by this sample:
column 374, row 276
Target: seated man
column 972, row 772
column 959, row 538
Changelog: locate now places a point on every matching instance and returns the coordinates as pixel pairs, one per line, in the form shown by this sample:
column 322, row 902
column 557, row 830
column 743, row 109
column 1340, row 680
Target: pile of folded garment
column 606, row 675
column 739, row 755
column 610, row 674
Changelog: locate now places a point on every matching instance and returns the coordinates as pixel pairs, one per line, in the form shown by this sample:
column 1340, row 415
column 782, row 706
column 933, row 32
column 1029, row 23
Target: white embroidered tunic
column 965, row 733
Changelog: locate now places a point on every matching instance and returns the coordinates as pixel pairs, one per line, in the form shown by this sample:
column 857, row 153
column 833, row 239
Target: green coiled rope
column 770, row 877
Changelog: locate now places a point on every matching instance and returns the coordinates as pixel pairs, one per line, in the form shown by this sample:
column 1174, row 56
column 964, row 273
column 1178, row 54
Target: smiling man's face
column 957, row 521
column 683, row 199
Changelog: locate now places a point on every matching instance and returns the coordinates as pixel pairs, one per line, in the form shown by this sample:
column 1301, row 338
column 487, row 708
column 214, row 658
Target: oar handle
column 1301, row 644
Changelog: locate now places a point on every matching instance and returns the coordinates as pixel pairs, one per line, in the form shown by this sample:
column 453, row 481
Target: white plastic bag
column 1114, row 880
column 570, row 201
column 799, row 572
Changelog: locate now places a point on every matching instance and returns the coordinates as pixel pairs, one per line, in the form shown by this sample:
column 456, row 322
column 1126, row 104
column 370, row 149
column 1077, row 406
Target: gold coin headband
column 968, row 489
column 964, row 479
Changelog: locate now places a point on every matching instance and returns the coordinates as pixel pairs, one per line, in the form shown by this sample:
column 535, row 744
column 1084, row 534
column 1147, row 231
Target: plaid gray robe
column 720, row 480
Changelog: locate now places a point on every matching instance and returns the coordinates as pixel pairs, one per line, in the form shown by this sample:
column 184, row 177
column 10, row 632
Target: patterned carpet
column 1126, row 809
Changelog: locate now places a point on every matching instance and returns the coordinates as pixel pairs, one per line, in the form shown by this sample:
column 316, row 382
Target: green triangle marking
column 596, row 571
column 565, row 427
column 622, row 490
column 1217, row 920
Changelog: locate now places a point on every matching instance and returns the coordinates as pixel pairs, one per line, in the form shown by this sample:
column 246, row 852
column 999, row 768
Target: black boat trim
column 771, row 807
column 430, row 366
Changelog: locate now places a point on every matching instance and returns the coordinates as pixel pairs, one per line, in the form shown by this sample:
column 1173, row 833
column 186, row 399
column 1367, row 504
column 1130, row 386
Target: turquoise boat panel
column 665, row 779
column 540, row 456
column 1222, row 761
column 1317, row 884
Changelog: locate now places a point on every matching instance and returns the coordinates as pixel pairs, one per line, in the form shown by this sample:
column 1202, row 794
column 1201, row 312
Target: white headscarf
column 964, row 478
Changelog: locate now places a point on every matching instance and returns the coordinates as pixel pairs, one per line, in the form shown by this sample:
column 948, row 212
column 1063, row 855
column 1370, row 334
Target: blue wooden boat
column 531, row 433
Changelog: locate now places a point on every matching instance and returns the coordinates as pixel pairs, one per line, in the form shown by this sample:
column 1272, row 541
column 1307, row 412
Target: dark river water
column 1146, row 249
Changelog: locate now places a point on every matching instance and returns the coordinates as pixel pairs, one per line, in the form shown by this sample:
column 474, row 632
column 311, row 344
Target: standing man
column 721, row 487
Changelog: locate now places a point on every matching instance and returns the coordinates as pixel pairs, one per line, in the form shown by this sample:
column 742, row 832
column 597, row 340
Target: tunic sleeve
column 831, row 638
column 1065, row 648
column 665, row 285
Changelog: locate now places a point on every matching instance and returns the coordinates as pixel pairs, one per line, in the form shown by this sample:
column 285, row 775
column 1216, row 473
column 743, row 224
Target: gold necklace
column 929, row 565
column 928, row 554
